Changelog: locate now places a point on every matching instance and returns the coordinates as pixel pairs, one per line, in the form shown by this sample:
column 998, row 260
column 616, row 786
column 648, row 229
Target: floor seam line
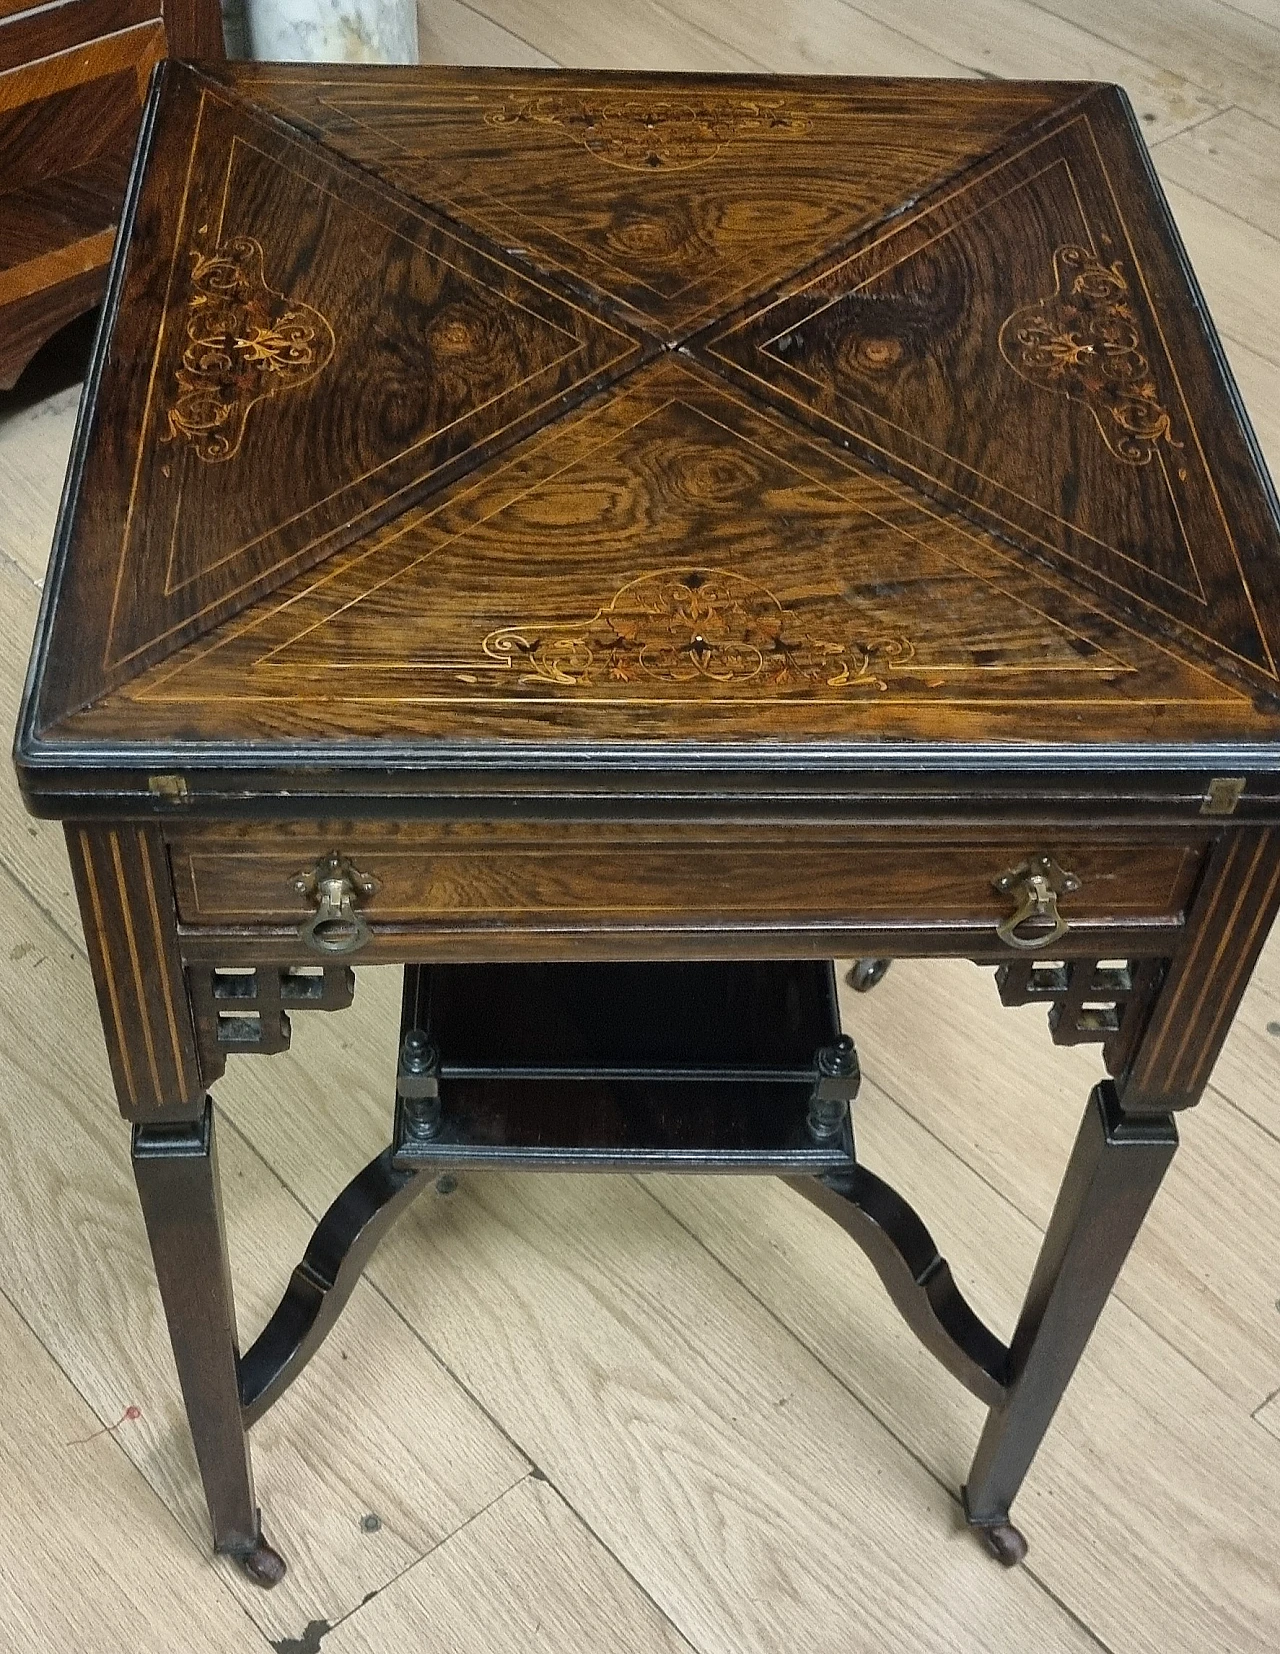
column 1117, row 1291
column 118, row 1447
column 853, row 1395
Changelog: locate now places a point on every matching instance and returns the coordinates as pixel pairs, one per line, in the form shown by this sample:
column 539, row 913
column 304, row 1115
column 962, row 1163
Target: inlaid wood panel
column 49, row 142
column 1020, row 344
column 290, row 305
column 72, row 81
column 469, row 873
column 126, row 904
column 670, row 197
column 44, row 30
column 69, row 112
column 951, row 468
column 137, row 50
column 672, row 563
column 1225, row 934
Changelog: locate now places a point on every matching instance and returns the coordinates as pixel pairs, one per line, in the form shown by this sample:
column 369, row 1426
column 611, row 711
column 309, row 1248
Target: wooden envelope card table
column 614, row 544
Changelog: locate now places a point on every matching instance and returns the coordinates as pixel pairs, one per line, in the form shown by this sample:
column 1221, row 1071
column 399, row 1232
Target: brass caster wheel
column 264, row 1564
column 1005, row 1542
column 866, row 973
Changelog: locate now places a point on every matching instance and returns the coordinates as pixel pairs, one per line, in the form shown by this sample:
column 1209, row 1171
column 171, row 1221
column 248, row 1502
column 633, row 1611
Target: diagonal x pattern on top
column 672, row 198
column 1026, row 345
column 469, row 403
column 670, row 561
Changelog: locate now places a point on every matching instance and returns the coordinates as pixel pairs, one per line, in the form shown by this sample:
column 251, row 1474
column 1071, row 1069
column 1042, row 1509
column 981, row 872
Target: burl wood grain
column 299, row 310
column 1019, row 345
column 669, row 195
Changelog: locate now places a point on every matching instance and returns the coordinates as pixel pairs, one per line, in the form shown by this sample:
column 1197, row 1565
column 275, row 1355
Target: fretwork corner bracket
column 245, row 1009
column 1103, row 1001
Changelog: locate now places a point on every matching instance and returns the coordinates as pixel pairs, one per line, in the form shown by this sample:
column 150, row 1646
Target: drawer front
column 546, row 873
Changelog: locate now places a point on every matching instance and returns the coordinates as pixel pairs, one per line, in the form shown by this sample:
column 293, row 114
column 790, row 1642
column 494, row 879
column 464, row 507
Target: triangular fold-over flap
column 671, row 197
column 1029, row 343
column 296, row 354
column 671, row 562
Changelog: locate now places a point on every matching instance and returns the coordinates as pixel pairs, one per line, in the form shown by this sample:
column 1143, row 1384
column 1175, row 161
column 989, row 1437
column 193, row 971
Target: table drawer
column 454, row 873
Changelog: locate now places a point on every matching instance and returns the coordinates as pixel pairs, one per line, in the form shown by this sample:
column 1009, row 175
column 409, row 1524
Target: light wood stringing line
column 144, row 852
column 99, row 940
column 140, row 985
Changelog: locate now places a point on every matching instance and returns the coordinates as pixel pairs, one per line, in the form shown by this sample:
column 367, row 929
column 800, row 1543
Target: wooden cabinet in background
column 72, row 81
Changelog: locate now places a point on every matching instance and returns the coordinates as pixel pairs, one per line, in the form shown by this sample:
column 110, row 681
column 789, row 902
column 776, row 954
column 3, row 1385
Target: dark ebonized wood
column 344, row 1240
column 1114, row 1172
column 176, row 1169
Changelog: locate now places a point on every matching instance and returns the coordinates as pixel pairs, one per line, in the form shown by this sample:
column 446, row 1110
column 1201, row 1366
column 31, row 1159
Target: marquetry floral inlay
column 1084, row 342
column 245, row 341
column 704, row 624
column 651, row 134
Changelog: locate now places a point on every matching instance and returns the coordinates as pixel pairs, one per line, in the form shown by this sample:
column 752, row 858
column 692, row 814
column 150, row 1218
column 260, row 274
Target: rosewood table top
column 613, row 544
column 459, row 422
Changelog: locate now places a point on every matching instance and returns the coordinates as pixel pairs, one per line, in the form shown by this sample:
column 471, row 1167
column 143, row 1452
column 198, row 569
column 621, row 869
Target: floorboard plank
column 32, row 852
column 645, row 35
column 1248, row 1070
column 994, row 1088
column 93, row 1562
column 1011, row 38
column 376, row 1426
column 1259, row 384
column 35, row 440
column 1268, row 1416
column 1236, row 266
column 1234, row 57
column 798, row 37
column 1232, row 160
column 718, row 1461
column 524, row 1575
column 449, row 32
column 1145, row 1460
column 712, row 1457
column 1263, row 11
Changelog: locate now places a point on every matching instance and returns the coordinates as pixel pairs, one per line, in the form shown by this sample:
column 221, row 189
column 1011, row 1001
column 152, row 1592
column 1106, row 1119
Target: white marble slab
column 334, row 31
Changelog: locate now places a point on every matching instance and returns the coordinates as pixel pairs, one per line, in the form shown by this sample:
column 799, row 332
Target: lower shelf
column 625, row 1125
column 685, row 1068
column 657, row 1067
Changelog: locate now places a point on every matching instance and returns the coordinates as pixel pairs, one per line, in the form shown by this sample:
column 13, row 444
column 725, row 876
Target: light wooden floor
column 661, row 1415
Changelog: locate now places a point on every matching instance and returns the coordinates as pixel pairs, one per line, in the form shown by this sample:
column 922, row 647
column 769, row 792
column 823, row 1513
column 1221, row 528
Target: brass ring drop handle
column 1035, row 886
column 334, row 885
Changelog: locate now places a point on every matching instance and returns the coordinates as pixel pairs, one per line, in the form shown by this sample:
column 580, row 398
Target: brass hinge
column 1223, row 795
column 173, row 787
